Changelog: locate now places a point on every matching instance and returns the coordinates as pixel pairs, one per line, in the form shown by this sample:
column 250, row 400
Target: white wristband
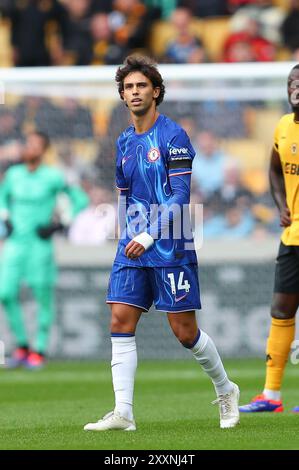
column 144, row 239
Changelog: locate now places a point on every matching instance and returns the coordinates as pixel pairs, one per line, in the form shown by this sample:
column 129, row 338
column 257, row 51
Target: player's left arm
column 180, row 157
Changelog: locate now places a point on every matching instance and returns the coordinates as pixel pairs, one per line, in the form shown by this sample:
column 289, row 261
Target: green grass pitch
column 47, row 409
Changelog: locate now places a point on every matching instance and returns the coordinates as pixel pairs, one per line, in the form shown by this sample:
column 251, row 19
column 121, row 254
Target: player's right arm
column 277, row 186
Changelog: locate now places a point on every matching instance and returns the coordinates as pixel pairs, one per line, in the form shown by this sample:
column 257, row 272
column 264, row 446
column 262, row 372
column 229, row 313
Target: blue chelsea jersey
column 144, row 167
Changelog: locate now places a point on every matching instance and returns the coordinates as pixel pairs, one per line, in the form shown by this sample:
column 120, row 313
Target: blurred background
column 225, row 64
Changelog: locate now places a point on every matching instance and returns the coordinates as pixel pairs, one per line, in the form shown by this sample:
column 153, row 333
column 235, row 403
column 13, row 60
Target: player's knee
column 121, row 324
column 185, row 336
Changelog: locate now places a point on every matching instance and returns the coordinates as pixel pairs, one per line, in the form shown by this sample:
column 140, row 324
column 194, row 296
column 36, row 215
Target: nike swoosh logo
column 177, row 299
column 125, row 159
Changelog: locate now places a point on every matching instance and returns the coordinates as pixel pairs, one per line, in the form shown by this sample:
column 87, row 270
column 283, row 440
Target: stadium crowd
column 82, row 32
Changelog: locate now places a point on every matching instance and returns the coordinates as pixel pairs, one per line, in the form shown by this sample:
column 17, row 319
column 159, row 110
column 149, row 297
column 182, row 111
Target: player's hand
column 134, row 249
column 285, row 217
column 46, row 231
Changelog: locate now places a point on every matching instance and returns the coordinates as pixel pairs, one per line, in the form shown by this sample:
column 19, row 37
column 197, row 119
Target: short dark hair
column 147, row 67
column 43, row 136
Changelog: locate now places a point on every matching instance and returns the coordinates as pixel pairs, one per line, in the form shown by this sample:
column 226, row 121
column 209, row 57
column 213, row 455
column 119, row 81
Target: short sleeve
column 180, row 154
column 121, row 183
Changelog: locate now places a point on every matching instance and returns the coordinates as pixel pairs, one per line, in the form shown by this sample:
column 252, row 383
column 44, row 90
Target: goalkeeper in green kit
column 28, row 196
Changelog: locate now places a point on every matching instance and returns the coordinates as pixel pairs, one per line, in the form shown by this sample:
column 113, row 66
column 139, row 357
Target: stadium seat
column 6, row 59
column 285, row 4
column 163, row 32
column 283, row 54
column 214, row 33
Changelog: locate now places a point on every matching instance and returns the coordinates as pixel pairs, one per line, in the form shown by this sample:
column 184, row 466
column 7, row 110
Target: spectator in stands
column 208, row 166
column 95, row 224
column 269, row 16
column 241, row 51
column 30, row 34
column 232, row 187
column 104, row 49
column 78, row 42
column 261, row 50
column 232, row 223
column 205, row 8
column 290, row 30
column 131, row 23
column 229, row 209
column 186, row 47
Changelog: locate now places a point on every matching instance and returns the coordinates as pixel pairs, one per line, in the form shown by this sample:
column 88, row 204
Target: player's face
column 139, row 93
column 293, row 89
column 34, row 148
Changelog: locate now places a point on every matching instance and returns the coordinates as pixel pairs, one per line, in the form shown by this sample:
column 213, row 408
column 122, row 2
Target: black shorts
column 287, row 270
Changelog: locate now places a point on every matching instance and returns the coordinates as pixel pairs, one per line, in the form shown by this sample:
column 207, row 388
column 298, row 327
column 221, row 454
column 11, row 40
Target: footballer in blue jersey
column 146, row 166
column 155, row 260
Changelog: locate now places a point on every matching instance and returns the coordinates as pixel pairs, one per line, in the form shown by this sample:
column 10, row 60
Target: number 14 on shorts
column 182, row 284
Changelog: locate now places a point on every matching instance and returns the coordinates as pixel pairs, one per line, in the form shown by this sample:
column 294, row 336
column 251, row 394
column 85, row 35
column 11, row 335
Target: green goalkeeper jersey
column 29, row 198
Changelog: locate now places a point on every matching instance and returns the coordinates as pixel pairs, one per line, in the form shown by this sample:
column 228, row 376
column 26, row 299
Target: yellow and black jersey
column 286, row 142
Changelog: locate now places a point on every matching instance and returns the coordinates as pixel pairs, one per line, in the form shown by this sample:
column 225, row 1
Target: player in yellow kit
column 284, row 181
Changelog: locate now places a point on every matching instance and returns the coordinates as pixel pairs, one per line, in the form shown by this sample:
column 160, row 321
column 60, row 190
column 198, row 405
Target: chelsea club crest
column 153, row 154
